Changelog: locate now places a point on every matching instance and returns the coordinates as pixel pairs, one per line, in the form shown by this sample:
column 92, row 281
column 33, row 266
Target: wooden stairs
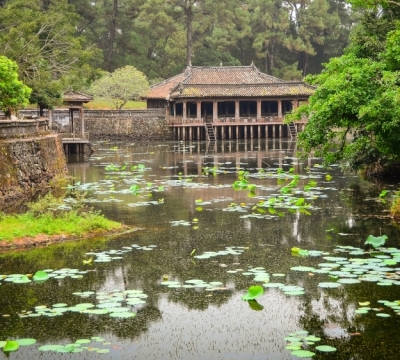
column 292, row 130
column 210, row 132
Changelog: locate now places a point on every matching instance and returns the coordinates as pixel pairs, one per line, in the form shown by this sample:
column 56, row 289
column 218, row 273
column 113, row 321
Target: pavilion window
column 179, row 109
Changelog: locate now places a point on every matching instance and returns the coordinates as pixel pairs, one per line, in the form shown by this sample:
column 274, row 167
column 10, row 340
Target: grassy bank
column 48, row 216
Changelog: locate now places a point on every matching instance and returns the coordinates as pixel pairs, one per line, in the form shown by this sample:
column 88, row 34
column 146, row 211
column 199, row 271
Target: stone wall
column 27, row 166
column 128, row 125
column 17, row 128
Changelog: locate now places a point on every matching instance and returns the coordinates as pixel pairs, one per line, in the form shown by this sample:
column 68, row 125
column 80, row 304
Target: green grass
column 68, row 223
column 46, row 218
column 101, row 104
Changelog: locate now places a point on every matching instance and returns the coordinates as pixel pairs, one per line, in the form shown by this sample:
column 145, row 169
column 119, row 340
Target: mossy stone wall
column 27, row 165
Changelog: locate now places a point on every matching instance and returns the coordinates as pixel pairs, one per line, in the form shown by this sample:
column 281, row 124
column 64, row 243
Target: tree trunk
column 189, row 34
column 112, row 32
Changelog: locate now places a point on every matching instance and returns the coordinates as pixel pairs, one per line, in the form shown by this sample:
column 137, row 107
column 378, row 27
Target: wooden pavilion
column 74, row 141
column 228, row 102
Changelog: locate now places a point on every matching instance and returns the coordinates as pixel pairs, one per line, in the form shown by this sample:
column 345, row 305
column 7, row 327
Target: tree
column 40, row 37
column 120, row 86
column 14, row 94
column 354, row 114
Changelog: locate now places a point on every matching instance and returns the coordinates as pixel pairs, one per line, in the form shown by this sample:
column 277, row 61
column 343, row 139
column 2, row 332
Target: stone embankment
column 28, row 161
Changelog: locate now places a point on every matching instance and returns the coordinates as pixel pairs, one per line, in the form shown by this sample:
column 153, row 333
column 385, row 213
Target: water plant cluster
column 80, row 345
column 301, row 342
column 116, row 304
column 195, row 283
column 109, row 255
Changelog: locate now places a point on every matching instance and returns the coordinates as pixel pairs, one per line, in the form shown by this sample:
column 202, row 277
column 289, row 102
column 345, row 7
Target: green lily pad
column 26, row 342
column 10, row 346
column 383, row 315
column 303, row 353
column 302, row 268
column 325, row 348
column 50, row 347
column 329, row 285
column 40, row 276
column 82, row 341
column 123, row 315
column 376, row 241
column 253, row 292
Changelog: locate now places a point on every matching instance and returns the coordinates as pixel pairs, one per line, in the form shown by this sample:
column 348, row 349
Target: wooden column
column 259, row 131
column 81, row 113
column 251, row 131
column 273, row 131
column 295, row 104
column 184, row 110
column 258, row 110
column 198, row 115
column 280, row 109
column 174, row 111
column 237, row 111
column 230, row 132
column 215, row 111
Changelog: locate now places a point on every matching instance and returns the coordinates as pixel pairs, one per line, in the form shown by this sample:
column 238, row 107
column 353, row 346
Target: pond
column 173, row 288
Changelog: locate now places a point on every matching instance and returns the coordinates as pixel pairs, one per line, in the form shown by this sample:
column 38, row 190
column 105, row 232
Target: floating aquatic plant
column 253, row 292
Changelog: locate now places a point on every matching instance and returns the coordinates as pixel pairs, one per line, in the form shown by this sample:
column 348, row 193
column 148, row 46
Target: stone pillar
column 280, row 109
column 215, row 111
column 237, row 111
column 258, row 110
column 198, row 114
column 184, row 110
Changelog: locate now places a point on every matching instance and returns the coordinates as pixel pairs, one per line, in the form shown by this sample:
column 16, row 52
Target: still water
column 199, row 246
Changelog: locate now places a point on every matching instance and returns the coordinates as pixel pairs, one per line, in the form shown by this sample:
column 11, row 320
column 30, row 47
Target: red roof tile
column 229, row 75
column 163, row 89
column 226, row 81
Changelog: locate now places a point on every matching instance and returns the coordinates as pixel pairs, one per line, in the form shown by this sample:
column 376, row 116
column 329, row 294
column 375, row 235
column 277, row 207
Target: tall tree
column 40, row 38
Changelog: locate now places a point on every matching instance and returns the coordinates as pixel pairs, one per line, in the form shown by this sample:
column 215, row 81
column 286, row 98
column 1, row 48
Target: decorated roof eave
column 242, row 97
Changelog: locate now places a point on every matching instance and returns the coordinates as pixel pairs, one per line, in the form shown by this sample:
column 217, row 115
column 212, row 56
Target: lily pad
column 329, row 285
column 10, row 346
column 325, row 348
column 303, row 353
column 253, row 292
column 26, row 342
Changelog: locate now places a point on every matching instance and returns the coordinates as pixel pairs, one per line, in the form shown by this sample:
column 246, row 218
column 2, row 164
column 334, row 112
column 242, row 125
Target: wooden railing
column 178, row 120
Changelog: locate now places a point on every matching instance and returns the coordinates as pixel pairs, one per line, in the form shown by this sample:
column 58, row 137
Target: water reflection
column 193, row 323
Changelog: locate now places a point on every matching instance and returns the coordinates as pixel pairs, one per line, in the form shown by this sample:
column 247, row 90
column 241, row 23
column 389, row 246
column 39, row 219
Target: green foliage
column 45, row 217
column 42, row 40
column 13, row 93
column 120, row 86
column 253, row 292
column 376, row 241
column 353, row 114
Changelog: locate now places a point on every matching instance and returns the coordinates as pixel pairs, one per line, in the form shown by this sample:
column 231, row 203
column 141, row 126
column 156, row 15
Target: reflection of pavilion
column 233, row 101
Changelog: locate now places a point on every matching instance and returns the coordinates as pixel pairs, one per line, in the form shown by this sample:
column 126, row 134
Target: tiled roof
column 229, row 75
column 74, row 96
column 163, row 89
column 226, row 81
column 257, row 90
